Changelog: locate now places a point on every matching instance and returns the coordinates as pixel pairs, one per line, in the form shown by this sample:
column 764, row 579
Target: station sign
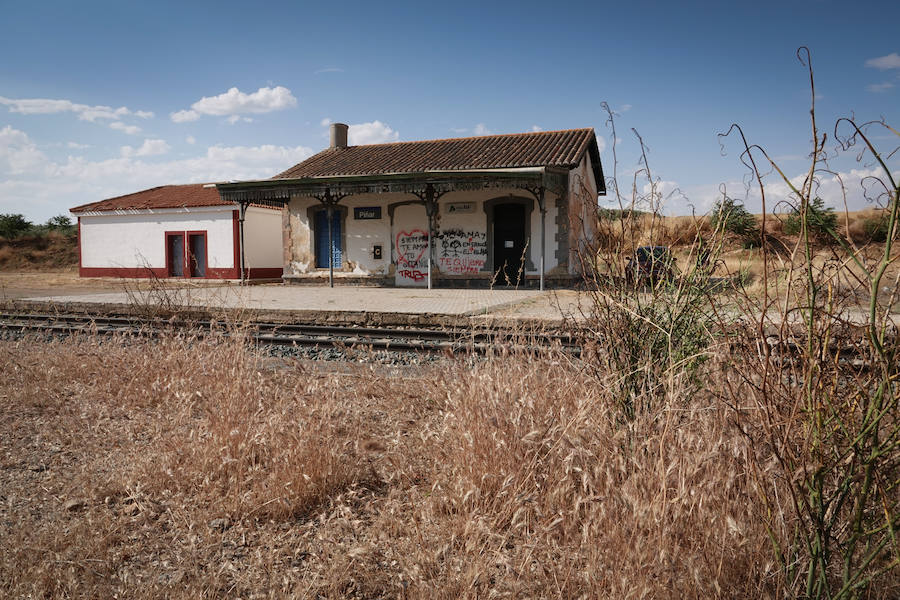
column 460, row 207
column 367, row 213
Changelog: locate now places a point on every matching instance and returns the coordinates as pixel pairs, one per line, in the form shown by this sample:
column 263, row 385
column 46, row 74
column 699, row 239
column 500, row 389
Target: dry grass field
column 196, row 468
column 187, row 468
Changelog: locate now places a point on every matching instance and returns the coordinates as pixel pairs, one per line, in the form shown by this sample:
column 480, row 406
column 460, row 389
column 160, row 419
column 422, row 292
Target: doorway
column 509, row 243
column 197, row 253
column 321, row 239
column 175, row 254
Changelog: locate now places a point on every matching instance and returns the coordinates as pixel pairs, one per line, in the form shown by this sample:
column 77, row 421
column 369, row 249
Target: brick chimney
column 339, row 135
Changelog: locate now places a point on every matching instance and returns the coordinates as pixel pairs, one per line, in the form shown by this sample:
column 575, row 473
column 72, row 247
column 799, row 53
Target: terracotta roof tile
column 538, row 149
column 166, row 196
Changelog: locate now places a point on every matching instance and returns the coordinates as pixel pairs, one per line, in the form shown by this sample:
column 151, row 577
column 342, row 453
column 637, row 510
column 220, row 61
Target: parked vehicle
column 650, row 264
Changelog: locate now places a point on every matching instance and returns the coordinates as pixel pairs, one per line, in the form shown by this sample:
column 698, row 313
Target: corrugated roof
column 538, row 149
column 164, row 196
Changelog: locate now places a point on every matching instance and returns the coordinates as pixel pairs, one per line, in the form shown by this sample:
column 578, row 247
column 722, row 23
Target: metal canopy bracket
column 242, row 215
column 429, row 197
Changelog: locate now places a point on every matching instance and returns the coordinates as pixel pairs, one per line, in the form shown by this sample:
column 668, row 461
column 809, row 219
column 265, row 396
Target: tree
column 820, row 219
column 14, row 225
column 730, row 215
column 60, row 223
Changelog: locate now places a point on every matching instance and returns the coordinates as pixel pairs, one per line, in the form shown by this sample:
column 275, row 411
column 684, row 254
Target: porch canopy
column 427, row 187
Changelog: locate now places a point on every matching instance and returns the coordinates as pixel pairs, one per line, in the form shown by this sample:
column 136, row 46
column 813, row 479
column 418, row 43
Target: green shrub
column 876, row 229
column 731, row 216
column 821, row 220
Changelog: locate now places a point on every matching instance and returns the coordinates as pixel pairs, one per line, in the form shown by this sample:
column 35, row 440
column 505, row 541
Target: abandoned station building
column 498, row 209
column 489, row 210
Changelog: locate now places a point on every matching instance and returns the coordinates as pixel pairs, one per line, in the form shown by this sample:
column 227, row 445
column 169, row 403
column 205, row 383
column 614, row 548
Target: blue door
column 321, row 226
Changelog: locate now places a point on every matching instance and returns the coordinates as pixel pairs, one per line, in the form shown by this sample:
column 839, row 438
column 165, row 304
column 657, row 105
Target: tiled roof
column 165, row 196
column 538, row 149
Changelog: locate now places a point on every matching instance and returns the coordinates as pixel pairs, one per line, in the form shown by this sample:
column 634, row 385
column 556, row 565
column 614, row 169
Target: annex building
column 183, row 231
column 490, row 210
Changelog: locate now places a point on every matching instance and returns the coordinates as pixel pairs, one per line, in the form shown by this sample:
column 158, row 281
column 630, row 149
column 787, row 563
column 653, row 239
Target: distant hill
column 45, row 252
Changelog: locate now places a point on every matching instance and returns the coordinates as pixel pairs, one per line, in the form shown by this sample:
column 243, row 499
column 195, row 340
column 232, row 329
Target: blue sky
column 99, row 99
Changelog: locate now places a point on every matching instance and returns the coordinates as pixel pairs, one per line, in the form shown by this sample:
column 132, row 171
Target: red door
column 197, row 253
column 175, row 254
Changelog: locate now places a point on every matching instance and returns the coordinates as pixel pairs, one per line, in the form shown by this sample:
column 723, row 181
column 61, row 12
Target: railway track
column 299, row 334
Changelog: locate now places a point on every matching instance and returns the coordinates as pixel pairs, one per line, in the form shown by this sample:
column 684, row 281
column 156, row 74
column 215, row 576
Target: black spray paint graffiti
column 461, row 252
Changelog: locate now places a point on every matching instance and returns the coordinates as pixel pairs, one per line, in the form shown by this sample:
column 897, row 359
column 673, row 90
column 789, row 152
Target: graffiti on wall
column 412, row 264
column 461, row 252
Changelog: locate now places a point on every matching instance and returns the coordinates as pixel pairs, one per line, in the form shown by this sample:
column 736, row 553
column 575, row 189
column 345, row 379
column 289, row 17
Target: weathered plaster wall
column 582, row 207
column 299, row 251
column 460, row 246
column 477, row 223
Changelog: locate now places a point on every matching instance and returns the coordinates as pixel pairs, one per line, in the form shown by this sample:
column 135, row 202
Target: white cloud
column 46, row 106
column 148, row 148
column 18, row 154
column 129, row 129
column 861, row 187
column 374, row 132
column 328, row 70
column 601, row 143
column 326, row 122
column 625, row 108
column 235, row 118
column 890, row 61
column 481, row 129
column 877, row 88
column 183, row 116
column 235, row 102
column 77, row 146
column 190, row 140
column 536, row 128
column 41, row 188
column 659, row 191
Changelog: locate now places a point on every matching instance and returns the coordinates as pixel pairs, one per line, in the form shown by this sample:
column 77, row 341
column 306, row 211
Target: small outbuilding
column 178, row 231
column 491, row 210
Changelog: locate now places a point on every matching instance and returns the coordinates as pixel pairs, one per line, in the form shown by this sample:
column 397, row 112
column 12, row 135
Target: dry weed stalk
column 828, row 466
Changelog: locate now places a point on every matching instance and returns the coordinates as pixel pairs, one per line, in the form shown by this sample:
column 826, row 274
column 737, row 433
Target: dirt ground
column 25, row 284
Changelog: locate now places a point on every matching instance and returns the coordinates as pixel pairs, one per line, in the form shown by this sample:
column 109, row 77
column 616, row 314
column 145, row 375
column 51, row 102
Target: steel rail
column 301, row 334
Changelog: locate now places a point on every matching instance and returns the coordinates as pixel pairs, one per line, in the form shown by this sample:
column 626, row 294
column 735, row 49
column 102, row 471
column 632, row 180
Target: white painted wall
column 364, row 234
column 262, row 238
column 137, row 238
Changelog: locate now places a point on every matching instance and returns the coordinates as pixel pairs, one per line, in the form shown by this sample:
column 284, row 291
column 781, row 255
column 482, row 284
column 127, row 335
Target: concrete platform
column 455, row 302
